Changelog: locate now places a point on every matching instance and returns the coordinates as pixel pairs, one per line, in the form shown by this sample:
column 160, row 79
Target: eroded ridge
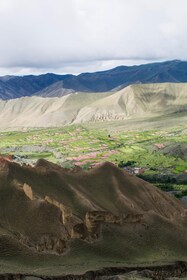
column 45, row 208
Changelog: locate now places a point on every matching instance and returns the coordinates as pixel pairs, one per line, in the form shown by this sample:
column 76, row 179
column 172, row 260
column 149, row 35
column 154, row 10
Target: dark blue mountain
column 169, row 71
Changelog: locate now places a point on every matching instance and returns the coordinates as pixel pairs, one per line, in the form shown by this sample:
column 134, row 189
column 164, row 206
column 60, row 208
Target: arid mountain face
column 48, row 209
column 132, row 102
column 117, row 78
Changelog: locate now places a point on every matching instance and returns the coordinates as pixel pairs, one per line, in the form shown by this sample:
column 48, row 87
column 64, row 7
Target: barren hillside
column 132, row 102
column 104, row 215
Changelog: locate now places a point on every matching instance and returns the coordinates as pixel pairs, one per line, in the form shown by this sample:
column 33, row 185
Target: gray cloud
column 81, row 35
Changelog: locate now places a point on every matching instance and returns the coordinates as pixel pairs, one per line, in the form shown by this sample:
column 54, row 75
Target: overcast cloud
column 72, row 36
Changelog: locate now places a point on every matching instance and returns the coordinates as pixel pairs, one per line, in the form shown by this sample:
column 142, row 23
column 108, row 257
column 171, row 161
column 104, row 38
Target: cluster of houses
column 134, row 170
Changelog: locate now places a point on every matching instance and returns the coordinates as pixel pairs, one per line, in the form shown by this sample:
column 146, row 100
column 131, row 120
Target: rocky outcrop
column 176, row 270
column 28, row 191
column 46, row 244
column 74, row 225
column 88, row 228
column 95, row 219
column 66, row 212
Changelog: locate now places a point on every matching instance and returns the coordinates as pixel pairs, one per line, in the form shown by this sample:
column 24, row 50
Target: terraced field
column 82, row 146
column 161, row 153
column 156, row 150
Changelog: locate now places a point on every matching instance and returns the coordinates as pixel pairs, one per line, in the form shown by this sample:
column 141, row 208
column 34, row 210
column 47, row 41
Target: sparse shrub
column 122, row 164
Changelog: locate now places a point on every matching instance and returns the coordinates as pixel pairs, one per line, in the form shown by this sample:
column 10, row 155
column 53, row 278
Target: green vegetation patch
column 153, row 150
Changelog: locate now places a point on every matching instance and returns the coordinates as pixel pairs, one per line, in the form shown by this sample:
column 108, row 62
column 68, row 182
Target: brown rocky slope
column 110, row 214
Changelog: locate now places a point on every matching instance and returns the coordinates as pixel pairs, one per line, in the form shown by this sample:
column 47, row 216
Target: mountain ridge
column 109, row 214
column 101, row 81
column 132, row 102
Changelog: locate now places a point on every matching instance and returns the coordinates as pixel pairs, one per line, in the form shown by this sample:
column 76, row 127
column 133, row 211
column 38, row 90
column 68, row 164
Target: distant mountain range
column 132, row 102
column 51, row 85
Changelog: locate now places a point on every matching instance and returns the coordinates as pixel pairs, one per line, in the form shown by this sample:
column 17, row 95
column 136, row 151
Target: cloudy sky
column 73, row 36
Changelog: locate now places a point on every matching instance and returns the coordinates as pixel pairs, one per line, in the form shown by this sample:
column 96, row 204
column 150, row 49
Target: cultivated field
column 158, row 155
